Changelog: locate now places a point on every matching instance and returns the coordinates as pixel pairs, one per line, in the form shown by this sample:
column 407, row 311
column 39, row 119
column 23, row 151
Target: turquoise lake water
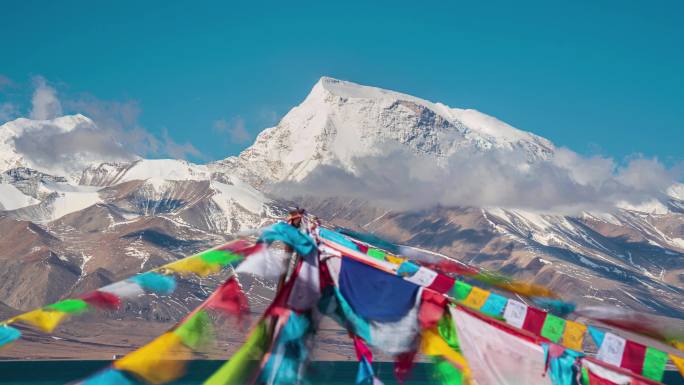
column 321, row 373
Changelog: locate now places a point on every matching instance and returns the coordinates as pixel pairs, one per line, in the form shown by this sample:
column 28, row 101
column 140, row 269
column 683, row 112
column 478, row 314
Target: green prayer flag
column 196, row 331
column 377, row 254
column 221, row 257
column 654, row 364
column 243, row 363
column 447, row 331
column 461, row 290
column 585, row 376
column 553, row 328
column 69, row 306
column 445, row 373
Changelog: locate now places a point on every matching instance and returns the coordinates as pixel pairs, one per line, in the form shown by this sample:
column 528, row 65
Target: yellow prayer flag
column 194, row 264
column 45, row 320
column 476, row 298
column 679, row 363
column 432, row 344
column 573, row 335
column 395, row 260
column 162, row 360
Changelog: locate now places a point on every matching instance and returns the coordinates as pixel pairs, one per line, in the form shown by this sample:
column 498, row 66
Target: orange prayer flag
column 476, row 298
column 573, row 335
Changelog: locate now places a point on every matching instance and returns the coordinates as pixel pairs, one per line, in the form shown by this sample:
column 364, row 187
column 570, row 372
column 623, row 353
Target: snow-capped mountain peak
column 20, row 147
column 340, row 121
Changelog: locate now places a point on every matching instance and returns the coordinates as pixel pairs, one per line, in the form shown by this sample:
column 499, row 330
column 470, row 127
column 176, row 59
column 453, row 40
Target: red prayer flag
column 362, row 350
column 534, row 320
column 403, row 363
column 229, row 298
column 442, row 283
column 633, row 356
column 102, row 300
column 431, row 309
column 363, row 248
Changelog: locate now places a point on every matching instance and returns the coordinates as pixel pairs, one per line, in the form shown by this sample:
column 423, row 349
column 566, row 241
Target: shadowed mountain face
column 67, row 230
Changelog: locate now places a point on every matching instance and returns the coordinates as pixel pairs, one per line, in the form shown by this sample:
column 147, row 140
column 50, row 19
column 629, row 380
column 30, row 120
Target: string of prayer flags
column 8, row 334
column 620, row 352
column 663, row 328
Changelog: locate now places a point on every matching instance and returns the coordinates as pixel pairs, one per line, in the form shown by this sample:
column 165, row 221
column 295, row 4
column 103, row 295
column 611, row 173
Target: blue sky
column 600, row 77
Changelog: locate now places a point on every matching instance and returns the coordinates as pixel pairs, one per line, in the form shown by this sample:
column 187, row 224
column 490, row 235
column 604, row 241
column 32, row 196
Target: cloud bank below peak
column 567, row 183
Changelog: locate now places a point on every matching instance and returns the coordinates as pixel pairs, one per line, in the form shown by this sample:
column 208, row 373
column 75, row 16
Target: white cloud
column 568, row 183
column 235, row 128
column 45, row 104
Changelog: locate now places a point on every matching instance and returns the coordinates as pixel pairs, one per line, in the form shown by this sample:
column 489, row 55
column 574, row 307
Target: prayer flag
column 377, row 254
column 654, row 364
column 515, row 313
column 195, row 264
column 495, row 355
column 8, row 334
column 494, row 305
column 460, row 290
column 573, row 335
column 196, row 331
column 375, row 294
column 229, row 299
column 599, row 375
column 102, row 300
column 432, row 344
column 431, row 308
column 679, row 363
column 553, row 328
column 123, row 289
column 612, row 349
column 155, row 282
column 243, row 363
column 534, row 320
column 596, row 335
column 69, row 306
column 45, row 320
column 108, row 377
column 162, row 360
column 476, row 298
